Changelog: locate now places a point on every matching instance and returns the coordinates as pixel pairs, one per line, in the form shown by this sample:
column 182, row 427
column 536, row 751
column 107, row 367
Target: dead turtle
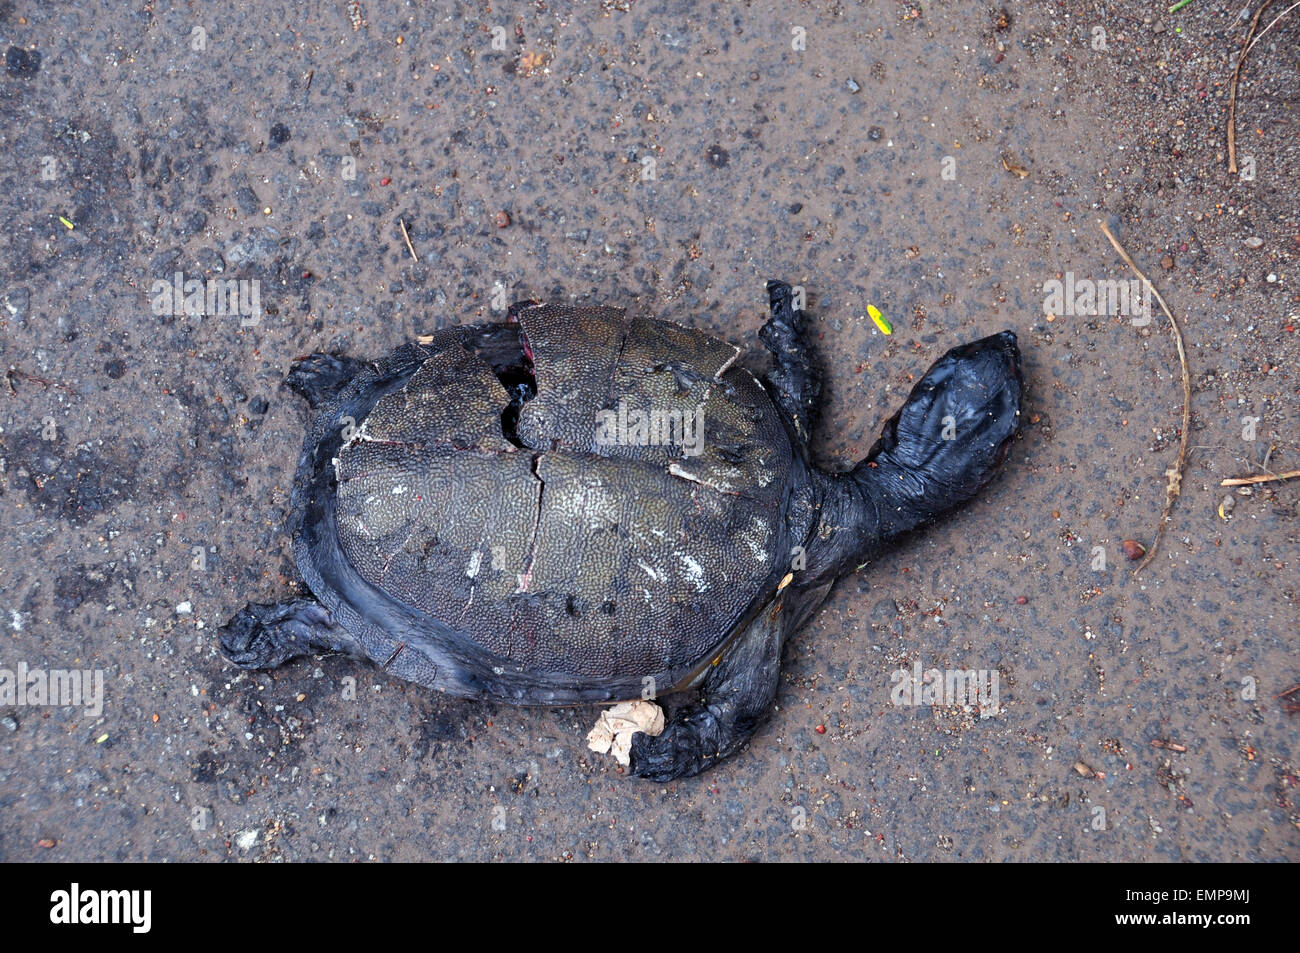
column 578, row 506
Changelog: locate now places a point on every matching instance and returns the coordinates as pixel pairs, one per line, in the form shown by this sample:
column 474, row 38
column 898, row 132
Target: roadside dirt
column 941, row 162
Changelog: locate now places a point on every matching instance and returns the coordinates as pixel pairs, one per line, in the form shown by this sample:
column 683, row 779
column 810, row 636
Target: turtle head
column 941, row 448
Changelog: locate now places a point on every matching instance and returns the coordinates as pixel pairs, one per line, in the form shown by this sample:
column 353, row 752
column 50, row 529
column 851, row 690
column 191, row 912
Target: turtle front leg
column 268, row 634
column 794, row 379
column 318, row 377
column 736, row 697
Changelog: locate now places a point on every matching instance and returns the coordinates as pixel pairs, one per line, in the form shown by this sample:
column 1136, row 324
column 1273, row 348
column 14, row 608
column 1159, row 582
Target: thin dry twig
column 408, row 240
column 1271, row 25
column 1232, row 95
column 14, row 373
column 1289, row 707
column 1174, row 474
column 1263, row 478
column 1015, row 168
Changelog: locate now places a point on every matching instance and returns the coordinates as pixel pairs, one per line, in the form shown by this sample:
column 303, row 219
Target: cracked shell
column 581, row 501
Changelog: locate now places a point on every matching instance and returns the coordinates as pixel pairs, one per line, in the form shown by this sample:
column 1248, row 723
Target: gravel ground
column 940, row 162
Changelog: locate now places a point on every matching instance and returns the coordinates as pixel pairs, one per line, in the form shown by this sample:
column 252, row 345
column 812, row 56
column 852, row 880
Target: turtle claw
column 793, row 378
column 687, row 746
column 736, row 697
column 268, row 634
column 318, row 377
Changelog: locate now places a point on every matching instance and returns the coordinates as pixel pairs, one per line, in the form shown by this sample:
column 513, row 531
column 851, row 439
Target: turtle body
column 578, row 506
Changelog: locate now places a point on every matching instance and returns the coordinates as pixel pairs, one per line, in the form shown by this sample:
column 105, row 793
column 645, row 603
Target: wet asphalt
column 942, row 163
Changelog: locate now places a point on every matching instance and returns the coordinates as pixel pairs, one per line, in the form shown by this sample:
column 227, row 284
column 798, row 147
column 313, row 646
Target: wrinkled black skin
column 918, row 469
column 911, row 476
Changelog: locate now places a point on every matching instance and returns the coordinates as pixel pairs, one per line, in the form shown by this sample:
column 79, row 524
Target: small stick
column 408, row 240
column 1232, row 97
column 1174, row 473
column 1265, row 478
column 1019, row 171
column 15, row 373
column 1270, row 26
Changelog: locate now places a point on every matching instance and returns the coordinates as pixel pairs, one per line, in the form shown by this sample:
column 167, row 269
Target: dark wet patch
column 207, row 768
column 443, row 725
column 94, row 584
column 20, row 62
column 75, row 485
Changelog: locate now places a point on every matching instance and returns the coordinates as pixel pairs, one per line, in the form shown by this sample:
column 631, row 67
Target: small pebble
column 852, row 85
column 875, row 133
column 246, row 840
column 1253, row 242
column 1021, row 600
column 9, row 722
column 503, row 219
column 1133, row 549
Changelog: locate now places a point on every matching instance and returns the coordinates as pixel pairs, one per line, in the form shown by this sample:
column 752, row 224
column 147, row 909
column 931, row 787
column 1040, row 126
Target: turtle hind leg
column 268, row 634
column 736, row 697
column 318, row 377
column 794, row 379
